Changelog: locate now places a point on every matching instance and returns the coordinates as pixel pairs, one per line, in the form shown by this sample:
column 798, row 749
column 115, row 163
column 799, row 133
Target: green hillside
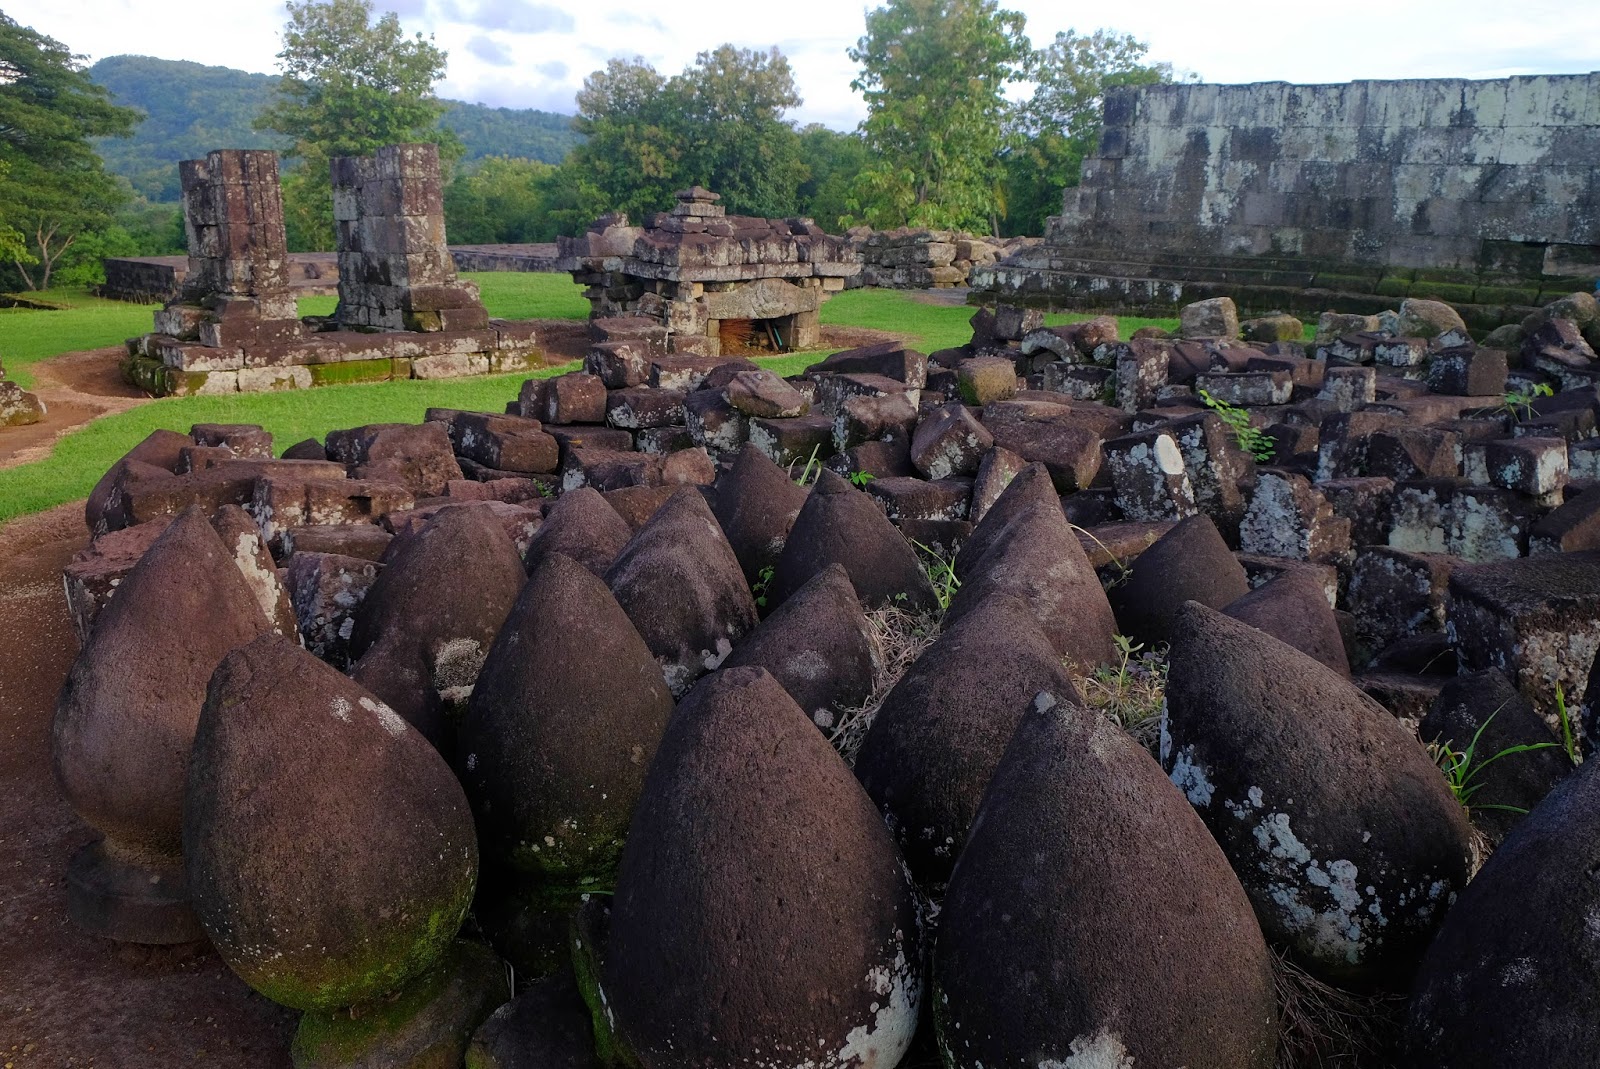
column 191, row 108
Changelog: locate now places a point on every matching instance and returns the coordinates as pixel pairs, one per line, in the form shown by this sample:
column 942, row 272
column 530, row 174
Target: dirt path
column 66, row 998
column 76, row 388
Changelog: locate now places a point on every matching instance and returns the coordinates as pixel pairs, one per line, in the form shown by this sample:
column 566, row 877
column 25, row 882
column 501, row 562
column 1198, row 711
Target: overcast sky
column 531, row 53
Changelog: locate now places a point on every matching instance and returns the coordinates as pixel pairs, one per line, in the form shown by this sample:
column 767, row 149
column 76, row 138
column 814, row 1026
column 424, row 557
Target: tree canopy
column 53, row 186
column 934, row 74
column 350, row 86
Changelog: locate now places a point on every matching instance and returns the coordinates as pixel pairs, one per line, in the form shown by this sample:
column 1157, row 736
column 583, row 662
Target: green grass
column 80, row 458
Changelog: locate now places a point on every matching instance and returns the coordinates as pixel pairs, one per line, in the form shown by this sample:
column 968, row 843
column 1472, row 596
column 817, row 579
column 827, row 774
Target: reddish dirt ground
column 75, row 388
column 67, row 998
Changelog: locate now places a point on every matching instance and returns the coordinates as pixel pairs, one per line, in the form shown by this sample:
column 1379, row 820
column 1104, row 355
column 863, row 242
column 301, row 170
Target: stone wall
column 1426, row 173
column 1482, row 193
column 908, row 259
column 146, row 279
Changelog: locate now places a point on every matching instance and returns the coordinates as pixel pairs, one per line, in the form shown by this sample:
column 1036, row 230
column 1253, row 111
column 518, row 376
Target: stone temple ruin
column 709, row 283
column 402, row 311
column 627, row 637
column 1303, row 198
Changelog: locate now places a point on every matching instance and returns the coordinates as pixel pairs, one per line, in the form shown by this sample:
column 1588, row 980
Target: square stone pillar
column 233, row 219
column 395, row 270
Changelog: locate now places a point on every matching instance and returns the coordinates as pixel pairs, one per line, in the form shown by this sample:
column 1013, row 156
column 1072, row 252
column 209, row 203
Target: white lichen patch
column 712, row 659
column 263, row 582
column 897, row 989
column 1103, row 1050
column 340, row 709
column 392, row 722
column 1189, row 775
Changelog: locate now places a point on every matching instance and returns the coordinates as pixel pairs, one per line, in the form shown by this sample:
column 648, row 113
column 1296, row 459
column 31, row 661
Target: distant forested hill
column 192, row 109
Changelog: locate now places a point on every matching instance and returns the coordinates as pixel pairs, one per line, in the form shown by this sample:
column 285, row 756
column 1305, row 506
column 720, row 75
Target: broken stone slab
column 1248, row 388
column 985, row 379
column 1288, row 517
column 1150, row 477
column 419, row 456
column 907, row 500
column 714, row 423
column 1537, row 620
column 1141, row 372
column 949, row 441
column 1571, row 527
column 889, row 359
column 1468, row 372
column 1348, row 388
column 1217, row 317
column 1413, row 453
column 325, row 587
column 865, row 419
column 761, row 393
column 796, row 441
column 995, row 472
column 1065, row 439
column 1367, row 503
column 639, row 407
column 1533, row 466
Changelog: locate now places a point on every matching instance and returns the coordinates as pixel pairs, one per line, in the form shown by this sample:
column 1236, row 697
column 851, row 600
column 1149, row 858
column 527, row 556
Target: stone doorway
column 742, row 337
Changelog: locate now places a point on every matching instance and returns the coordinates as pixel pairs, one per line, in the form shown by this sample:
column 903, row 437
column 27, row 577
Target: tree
column 718, row 124
column 502, row 200
column 350, row 86
column 54, row 189
column 1051, row 134
column 934, row 73
column 832, row 162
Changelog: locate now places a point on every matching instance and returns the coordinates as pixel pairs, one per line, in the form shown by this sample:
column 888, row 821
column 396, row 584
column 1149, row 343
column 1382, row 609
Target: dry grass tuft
column 1130, row 694
column 898, row 639
column 1325, row 1027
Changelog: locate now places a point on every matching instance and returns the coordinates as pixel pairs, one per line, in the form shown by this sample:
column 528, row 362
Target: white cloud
column 490, row 51
column 513, row 16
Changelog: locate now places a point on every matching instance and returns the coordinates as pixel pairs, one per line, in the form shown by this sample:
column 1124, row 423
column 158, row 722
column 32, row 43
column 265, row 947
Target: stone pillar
column 395, row 270
column 237, row 288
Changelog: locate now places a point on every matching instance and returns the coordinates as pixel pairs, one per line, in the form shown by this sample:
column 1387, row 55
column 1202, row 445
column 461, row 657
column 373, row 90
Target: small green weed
column 941, row 572
column 1463, row 769
column 1520, row 405
column 1131, row 693
column 1250, row 439
column 760, row 586
column 861, row 478
column 1569, row 742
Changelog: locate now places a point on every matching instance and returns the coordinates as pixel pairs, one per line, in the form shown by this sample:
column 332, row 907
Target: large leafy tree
column 718, row 124
column 934, row 74
column 1051, row 133
column 350, row 85
column 53, row 188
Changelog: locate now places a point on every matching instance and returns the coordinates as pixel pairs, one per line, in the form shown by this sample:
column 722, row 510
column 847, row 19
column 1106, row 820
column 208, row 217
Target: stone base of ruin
column 168, row 366
column 130, row 901
column 1061, row 277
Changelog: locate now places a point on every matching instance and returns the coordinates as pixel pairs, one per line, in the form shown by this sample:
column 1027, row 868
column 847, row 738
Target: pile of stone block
column 18, row 407
column 402, row 312
column 912, row 259
column 695, row 270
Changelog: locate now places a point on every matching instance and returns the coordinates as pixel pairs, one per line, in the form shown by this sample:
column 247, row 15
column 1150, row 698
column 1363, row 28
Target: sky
column 535, row 53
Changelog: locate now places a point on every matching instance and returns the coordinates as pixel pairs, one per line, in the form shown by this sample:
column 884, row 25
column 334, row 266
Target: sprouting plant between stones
column 941, row 572
column 1250, row 439
column 1569, row 742
column 1131, row 693
column 861, row 478
column 1463, row 768
column 1519, row 404
column 809, row 473
column 761, row 585
column 1123, row 570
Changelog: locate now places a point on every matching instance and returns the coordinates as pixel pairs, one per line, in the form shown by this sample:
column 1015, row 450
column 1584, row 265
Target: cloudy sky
column 535, row 53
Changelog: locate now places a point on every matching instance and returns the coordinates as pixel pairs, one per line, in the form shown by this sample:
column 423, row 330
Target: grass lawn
column 82, row 457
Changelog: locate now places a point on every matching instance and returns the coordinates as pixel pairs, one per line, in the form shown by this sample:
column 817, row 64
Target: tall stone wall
column 1494, row 176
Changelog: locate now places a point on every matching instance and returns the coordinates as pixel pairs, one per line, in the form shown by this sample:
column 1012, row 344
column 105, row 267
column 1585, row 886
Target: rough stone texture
column 1188, row 563
column 818, row 646
column 302, row 782
column 426, row 624
column 1026, row 488
column 680, row 583
column 1294, row 609
column 1483, row 710
column 1288, row 517
column 1510, row 981
column 554, row 746
column 545, row 1027
column 995, row 471
column 1081, row 930
column 1337, row 822
column 757, row 873
column 1392, row 594
column 583, row 526
column 941, row 731
column 1037, row 558
column 949, row 441
column 840, row 525
column 326, row 589
column 1537, row 620
column 125, row 723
